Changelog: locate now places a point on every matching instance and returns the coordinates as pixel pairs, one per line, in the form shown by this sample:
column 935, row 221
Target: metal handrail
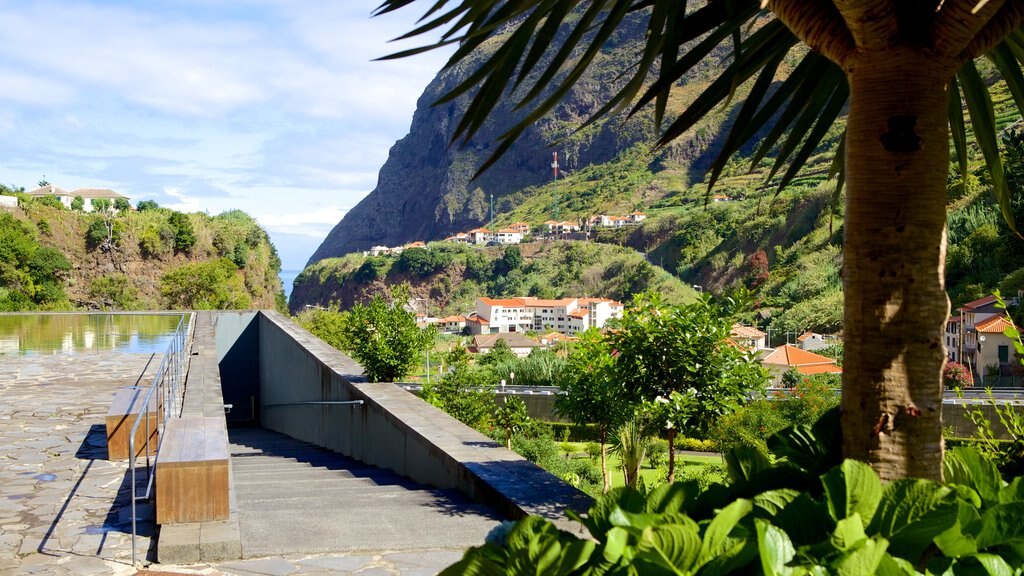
column 167, row 384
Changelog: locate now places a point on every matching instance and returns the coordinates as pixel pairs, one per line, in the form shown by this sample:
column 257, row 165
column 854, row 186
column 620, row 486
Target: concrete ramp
column 295, row 498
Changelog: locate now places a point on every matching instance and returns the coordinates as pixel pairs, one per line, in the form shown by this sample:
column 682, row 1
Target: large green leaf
column 805, row 520
column 1014, row 492
column 852, row 488
column 815, row 448
column 849, row 533
column 862, row 560
column 775, row 548
column 890, row 565
column 716, row 534
column 911, row 513
column 744, row 462
column 959, row 539
column 674, row 497
column 1001, row 524
column 768, row 504
column 966, row 466
column 672, row 547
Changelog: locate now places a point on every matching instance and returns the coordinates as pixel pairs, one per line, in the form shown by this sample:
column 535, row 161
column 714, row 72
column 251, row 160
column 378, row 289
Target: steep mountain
column 425, row 189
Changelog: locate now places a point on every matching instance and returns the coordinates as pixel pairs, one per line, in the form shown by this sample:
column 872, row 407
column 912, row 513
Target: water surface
column 31, row 334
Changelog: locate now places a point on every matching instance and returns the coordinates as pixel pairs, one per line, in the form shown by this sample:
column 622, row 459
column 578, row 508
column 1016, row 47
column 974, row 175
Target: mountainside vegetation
column 784, row 245
column 53, row 258
column 450, row 277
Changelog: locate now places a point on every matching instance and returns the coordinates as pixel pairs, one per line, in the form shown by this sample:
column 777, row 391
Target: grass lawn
column 683, row 462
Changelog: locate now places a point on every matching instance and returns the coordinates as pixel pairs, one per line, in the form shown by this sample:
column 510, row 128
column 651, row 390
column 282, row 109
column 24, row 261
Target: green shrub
column 147, row 205
column 114, row 291
column 212, row 285
column 696, row 445
column 44, row 226
column 184, row 233
column 78, row 204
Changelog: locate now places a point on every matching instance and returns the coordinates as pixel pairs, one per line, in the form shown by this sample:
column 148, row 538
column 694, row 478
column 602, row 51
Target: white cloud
column 235, row 104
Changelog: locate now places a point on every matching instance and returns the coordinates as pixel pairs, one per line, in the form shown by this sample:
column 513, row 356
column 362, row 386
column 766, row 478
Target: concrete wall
column 237, row 340
column 392, row 428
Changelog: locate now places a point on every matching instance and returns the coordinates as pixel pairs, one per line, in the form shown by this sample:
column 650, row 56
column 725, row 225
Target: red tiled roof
column 740, row 331
column 578, row 313
column 450, row 319
column 805, row 336
column 819, row 369
column 504, row 302
column 535, row 302
column 792, row 356
column 994, row 325
column 979, row 302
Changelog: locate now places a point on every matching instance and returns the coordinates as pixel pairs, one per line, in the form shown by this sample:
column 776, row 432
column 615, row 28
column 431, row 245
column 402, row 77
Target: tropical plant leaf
column 983, row 121
column 911, row 513
column 815, row 448
column 966, row 466
column 775, row 547
column 768, row 504
column 1001, row 524
column 744, row 462
column 673, row 547
column 959, row 539
column 863, row 559
column 716, row 535
column 852, row 488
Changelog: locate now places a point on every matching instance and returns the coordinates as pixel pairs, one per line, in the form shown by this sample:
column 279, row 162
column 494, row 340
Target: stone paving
column 64, row 508
column 381, row 563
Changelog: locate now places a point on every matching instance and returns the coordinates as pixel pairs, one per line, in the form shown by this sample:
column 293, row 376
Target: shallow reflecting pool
column 27, row 334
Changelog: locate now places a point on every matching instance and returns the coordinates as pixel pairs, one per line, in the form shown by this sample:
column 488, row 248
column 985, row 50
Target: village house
column 814, row 341
column 521, row 227
column 451, row 324
column 993, row 363
column 8, row 201
column 748, row 338
column 479, row 236
column 461, row 238
column 87, row 194
column 508, row 236
column 787, row 357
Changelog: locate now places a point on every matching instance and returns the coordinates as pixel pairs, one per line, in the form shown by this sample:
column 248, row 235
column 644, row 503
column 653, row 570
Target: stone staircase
column 295, row 498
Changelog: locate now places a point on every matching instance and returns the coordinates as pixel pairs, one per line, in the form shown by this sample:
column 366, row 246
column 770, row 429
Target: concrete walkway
column 305, row 510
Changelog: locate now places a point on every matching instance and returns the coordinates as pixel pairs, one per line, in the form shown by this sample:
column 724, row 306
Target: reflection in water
column 27, row 334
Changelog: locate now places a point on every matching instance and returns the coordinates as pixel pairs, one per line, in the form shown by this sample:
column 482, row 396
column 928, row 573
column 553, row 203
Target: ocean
column 287, row 277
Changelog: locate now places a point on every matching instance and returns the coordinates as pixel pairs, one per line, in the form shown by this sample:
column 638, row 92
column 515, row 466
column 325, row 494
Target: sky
column 274, row 107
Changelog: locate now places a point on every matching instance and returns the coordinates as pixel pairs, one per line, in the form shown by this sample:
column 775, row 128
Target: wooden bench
column 192, row 471
column 126, row 405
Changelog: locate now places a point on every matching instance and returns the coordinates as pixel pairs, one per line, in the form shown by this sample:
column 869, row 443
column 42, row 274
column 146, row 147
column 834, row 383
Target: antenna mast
column 554, row 166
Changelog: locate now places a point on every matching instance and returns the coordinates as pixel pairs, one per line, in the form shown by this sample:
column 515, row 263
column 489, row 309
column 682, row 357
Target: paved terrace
column 416, row 489
column 64, row 508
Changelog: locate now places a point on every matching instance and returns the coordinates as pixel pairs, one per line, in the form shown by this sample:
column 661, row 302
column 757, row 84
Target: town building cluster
column 564, row 317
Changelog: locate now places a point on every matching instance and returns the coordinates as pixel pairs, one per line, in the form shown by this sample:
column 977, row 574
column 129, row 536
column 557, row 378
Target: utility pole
column 554, row 166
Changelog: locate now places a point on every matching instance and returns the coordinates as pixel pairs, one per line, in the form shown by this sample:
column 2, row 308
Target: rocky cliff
column 425, row 190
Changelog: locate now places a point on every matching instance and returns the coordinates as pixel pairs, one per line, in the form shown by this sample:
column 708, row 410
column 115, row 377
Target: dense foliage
column 31, row 275
column 213, row 285
column 84, row 259
column 807, row 514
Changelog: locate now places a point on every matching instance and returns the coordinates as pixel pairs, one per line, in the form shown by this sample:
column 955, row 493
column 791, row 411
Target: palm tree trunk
column 604, row 461
column 897, row 157
column 671, row 455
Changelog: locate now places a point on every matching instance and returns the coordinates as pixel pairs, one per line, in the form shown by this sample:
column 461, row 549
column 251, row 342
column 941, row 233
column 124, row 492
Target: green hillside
column 52, row 258
column 451, row 276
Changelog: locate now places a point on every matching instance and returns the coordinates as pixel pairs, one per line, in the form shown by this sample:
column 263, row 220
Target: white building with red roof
column 568, row 316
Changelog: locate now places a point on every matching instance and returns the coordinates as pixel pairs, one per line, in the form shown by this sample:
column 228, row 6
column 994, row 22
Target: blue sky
column 270, row 106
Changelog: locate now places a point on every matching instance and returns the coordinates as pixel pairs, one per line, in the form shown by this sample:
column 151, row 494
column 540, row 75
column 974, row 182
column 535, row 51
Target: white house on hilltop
column 87, row 194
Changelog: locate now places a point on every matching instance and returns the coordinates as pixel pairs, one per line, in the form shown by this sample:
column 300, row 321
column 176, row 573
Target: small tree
column 324, row 323
column 685, row 349
column 593, row 393
column 147, row 205
column 501, row 353
column 211, row 285
column 465, row 392
column 384, row 338
column 510, row 417
column 122, row 205
column 78, row 204
column 184, row 234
